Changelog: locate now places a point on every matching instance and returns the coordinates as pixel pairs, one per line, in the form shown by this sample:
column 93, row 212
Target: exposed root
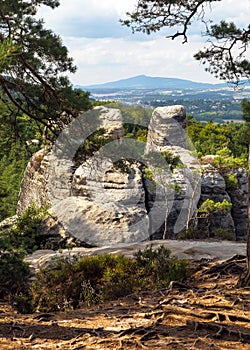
column 206, row 312
column 219, row 331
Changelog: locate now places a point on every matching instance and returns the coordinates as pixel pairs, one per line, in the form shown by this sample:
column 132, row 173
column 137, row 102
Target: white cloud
column 101, row 60
column 88, row 18
column 236, row 11
column 104, row 50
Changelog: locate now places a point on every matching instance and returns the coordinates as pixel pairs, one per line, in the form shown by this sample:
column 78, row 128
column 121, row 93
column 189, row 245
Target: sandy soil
column 209, row 311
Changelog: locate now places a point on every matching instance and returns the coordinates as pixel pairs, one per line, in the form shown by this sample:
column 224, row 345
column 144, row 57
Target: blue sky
column 104, row 50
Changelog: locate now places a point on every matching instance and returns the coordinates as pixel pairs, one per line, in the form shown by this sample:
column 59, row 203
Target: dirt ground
column 208, row 311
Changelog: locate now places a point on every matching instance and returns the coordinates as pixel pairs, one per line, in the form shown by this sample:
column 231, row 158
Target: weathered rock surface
column 111, row 120
column 213, row 186
column 180, row 188
column 190, row 250
column 239, row 199
column 107, row 205
column 98, row 203
column 52, row 235
column 167, row 128
column 95, row 203
column 33, row 188
column 8, row 223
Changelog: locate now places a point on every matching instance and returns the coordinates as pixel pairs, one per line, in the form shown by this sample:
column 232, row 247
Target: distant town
column 205, row 102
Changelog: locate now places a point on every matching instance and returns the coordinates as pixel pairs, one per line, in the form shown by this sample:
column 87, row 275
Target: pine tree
column 33, row 66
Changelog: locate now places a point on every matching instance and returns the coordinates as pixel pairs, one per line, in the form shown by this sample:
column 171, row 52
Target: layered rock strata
column 95, row 202
column 100, row 200
column 181, row 186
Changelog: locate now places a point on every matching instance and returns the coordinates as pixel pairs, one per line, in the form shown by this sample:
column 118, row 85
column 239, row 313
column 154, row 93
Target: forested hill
column 147, row 82
column 205, row 102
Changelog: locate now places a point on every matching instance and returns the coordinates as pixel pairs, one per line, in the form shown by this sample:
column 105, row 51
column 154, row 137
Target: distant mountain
column 146, row 82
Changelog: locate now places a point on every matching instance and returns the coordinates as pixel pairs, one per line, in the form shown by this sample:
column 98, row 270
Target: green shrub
column 21, row 236
column 192, row 234
column 15, row 243
column 123, row 165
column 92, row 144
column 119, row 279
column 60, row 285
column 209, row 207
column 225, row 161
column 221, row 233
column 231, row 181
column 69, row 283
column 172, row 160
column 14, row 280
column 158, row 268
column 148, row 175
column 141, row 135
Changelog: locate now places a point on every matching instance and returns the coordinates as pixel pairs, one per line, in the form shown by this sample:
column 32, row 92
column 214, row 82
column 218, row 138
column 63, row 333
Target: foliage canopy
column 226, row 54
column 33, row 65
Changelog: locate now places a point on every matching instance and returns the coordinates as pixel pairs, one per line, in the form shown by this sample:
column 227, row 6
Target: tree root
column 225, row 268
column 219, row 331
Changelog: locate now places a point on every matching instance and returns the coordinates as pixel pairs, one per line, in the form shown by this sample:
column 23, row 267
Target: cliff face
column 179, row 188
column 239, row 199
column 100, row 199
column 213, row 186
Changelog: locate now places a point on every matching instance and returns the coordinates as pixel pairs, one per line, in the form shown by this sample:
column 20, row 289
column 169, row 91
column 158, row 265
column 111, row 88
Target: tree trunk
column 245, row 280
column 248, row 229
column 166, row 219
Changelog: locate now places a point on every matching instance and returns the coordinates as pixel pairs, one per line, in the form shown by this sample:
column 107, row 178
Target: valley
column 205, row 102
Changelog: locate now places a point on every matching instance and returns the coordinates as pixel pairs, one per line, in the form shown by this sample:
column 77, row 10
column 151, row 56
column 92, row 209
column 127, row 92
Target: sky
column 104, row 50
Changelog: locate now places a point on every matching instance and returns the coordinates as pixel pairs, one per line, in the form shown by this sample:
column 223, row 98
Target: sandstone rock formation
column 239, row 199
column 98, row 200
column 106, row 206
column 182, row 186
column 33, row 188
column 213, row 186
